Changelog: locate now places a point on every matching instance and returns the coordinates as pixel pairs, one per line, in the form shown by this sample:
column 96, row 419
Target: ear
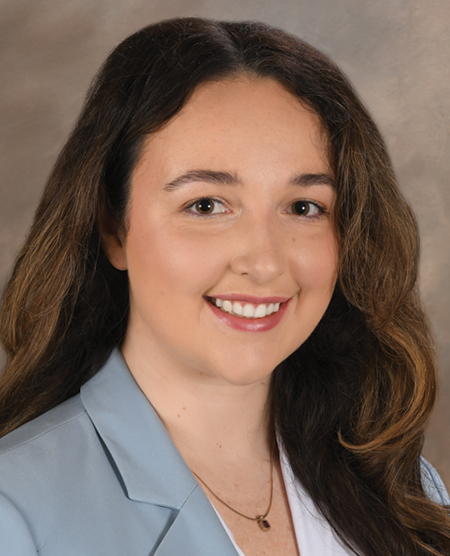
column 113, row 240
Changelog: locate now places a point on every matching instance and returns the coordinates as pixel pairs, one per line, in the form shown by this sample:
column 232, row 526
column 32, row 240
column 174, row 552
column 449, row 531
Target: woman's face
column 231, row 201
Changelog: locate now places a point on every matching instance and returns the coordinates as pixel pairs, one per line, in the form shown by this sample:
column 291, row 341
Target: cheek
column 171, row 262
column 316, row 264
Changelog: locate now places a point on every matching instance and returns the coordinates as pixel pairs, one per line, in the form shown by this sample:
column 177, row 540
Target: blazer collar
column 150, row 466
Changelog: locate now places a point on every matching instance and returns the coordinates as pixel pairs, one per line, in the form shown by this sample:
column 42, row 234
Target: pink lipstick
column 262, row 324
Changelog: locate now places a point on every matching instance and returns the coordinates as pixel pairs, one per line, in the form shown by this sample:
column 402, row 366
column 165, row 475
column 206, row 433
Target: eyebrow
column 226, row 178
column 306, row 180
column 208, row 176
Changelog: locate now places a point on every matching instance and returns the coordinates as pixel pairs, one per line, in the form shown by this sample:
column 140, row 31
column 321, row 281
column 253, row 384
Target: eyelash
column 321, row 209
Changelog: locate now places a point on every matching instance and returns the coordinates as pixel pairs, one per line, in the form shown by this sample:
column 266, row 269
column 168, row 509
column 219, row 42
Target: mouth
column 244, row 316
column 244, row 309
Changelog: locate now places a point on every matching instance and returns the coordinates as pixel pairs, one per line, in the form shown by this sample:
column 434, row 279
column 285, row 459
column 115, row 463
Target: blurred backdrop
column 396, row 52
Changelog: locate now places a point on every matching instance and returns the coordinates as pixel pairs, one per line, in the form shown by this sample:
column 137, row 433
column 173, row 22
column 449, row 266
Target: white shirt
column 313, row 533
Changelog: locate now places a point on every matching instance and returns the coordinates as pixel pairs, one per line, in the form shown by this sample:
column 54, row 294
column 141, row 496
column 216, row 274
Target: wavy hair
column 352, row 402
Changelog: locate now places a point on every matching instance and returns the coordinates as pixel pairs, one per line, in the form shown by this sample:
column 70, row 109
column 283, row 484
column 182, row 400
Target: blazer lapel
column 196, row 531
column 151, row 468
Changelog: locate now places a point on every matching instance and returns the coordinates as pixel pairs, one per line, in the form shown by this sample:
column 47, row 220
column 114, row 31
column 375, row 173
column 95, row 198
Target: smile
column 255, row 317
column 245, row 310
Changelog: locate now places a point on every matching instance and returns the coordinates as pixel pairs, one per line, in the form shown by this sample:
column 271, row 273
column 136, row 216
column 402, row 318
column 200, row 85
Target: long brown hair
column 352, row 402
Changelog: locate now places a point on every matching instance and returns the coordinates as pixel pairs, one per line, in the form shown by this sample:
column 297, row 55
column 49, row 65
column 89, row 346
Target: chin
column 248, row 367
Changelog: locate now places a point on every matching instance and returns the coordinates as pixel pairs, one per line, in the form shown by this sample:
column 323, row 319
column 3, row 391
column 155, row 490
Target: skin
column 208, row 381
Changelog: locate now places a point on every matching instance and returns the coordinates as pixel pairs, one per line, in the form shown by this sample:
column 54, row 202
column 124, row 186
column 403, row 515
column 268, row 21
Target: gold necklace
column 264, row 525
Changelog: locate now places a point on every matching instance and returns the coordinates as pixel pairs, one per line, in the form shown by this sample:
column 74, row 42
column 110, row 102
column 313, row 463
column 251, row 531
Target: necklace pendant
column 264, row 525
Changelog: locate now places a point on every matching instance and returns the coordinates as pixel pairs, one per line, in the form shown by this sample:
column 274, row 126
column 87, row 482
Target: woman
column 218, row 300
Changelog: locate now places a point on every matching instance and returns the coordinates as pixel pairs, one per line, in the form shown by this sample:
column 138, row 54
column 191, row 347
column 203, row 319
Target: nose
column 259, row 250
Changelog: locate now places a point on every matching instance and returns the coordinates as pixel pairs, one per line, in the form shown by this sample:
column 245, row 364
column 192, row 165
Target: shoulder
column 52, row 449
column 42, row 465
column 52, row 437
column 432, row 483
column 44, row 428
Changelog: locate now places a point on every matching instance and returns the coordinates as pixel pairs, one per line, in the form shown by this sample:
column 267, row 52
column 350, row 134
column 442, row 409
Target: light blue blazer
column 99, row 476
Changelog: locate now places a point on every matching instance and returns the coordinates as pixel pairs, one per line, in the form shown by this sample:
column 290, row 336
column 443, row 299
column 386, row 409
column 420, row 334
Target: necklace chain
column 261, row 519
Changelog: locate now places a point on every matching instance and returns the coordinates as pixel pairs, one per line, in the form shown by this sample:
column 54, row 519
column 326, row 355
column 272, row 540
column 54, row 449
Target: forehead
column 238, row 123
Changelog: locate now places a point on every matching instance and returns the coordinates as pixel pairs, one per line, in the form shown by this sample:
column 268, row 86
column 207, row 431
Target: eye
column 306, row 208
column 205, row 206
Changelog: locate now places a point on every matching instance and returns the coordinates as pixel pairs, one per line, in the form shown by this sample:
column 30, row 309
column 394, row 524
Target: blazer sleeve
column 432, row 484
column 15, row 537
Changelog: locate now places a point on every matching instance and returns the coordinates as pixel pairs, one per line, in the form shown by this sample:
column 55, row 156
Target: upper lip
column 251, row 298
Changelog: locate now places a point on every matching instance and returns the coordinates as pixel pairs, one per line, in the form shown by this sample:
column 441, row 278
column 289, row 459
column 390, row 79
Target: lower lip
column 250, row 325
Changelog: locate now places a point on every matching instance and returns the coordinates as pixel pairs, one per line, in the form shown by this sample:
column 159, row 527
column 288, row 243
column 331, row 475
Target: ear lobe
column 112, row 240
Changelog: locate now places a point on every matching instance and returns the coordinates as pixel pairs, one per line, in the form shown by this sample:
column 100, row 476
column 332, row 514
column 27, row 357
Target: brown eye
column 204, row 206
column 306, row 208
column 301, row 208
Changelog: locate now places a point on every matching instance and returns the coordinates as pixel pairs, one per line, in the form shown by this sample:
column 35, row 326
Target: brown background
column 396, row 52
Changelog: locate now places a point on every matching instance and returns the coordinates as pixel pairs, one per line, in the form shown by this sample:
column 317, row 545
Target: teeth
column 260, row 311
column 237, row 308
column 249, row 311
column 246, row 310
